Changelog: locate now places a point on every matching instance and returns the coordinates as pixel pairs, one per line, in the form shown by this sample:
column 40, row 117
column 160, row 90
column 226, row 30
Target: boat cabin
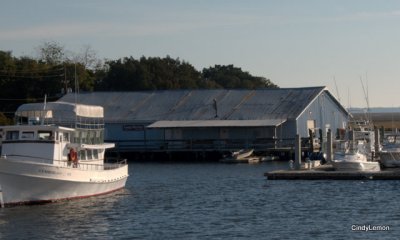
column 53, row 135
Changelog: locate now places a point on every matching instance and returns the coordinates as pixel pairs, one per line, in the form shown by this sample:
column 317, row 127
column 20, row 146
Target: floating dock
column 326, row 172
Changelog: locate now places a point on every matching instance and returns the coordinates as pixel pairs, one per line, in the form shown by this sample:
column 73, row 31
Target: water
column 214, row 201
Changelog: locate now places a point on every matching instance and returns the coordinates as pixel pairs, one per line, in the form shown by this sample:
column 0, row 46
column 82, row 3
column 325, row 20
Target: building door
column 173, row 134
column 311, row 124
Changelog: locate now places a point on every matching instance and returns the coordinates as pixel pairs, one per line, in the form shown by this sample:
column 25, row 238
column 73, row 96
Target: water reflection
column 213, row 201
column 66, row 219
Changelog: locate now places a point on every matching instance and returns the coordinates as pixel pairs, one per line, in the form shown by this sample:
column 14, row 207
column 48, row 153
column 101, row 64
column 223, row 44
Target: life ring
column 73, row 156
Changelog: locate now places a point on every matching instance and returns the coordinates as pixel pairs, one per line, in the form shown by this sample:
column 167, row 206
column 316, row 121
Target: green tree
column 152, row 73
column 51, row 53
column 4, row 120
column 228, row 76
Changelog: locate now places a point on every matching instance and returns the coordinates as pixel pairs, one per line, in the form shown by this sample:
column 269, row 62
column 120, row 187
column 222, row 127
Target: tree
column 51, row 53
column 151, row 73
column 228, row 76
column 4, row 120
column 88, row 58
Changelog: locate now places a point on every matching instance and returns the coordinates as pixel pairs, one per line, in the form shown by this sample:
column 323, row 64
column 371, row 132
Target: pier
column 326, row 172
column 312, row 171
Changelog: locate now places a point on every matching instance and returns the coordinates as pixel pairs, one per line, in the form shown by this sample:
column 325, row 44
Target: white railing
column 91, row 167
column 69, row 164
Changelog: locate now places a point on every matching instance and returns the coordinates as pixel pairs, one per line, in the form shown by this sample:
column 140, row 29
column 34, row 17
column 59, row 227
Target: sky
column 350, row 46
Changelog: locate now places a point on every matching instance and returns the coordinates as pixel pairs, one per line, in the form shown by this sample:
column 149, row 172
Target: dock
column 326, row 172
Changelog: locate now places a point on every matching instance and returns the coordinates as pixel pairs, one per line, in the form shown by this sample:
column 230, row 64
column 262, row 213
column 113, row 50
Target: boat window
column 65, row 137
column 27, row 135
column 76, row 137
column 83, row 137
column 90, row 137
column 89, row 154
column 82, row 155
column 95, row 154
column 98, row 137
column 44, row 135
column 12, row 135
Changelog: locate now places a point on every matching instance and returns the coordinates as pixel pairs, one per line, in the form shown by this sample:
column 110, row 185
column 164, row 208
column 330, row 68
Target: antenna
column 45, row 102
column 44, row 110
column 76, row 97
column 337, row 90
column 365, row 90
column 215, row 107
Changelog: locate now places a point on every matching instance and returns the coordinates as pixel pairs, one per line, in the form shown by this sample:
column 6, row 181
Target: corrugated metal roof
column 217, row 123
column 60, row 110
column 260, row 104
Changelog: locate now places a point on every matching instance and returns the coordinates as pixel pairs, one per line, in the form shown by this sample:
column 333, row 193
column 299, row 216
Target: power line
column 32, row 71
column 40, row 76
column 25, row 99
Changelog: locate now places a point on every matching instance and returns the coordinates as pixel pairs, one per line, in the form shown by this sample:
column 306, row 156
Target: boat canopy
column 59, row 110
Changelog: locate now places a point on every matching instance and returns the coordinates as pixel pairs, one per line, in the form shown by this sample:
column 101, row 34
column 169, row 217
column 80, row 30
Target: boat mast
column 337, row 90
column 365, row 90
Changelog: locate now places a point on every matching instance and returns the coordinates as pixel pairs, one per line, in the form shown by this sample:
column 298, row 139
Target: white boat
column 243, row 153
column 354, row 161
column 269, row 158
column 389, row 157
column 253, row 160
column 56, row 152
column 241, row 156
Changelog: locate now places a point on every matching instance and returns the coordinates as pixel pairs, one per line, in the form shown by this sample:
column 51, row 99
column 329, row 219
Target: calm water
column 214, row 201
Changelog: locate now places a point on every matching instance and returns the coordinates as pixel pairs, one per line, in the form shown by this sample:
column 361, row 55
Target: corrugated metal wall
column 324, row 111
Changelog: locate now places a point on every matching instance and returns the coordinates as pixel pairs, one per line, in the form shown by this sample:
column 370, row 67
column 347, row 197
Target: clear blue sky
column 294, row 43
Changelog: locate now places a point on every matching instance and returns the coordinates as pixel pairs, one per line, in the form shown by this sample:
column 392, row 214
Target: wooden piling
column 297, row 153
column 329, row 147
column 311, row 139
column 377, row 141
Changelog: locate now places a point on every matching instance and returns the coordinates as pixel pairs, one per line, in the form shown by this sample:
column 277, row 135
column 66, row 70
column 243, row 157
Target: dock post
column 311, row 139
column 352, row 138
column 329, row 147
column 297, row 153
column 382, row 134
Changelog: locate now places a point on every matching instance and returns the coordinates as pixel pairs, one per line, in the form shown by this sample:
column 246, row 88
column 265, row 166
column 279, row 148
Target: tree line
column 56, row 71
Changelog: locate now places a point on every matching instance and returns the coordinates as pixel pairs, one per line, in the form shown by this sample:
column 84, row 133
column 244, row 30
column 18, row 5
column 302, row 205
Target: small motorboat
column 354, row 161
column 241, row 156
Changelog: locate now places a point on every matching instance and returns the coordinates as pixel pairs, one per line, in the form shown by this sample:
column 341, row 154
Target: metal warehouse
column 214, row 120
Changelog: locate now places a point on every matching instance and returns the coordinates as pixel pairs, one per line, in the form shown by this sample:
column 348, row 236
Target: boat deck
column 326, row 172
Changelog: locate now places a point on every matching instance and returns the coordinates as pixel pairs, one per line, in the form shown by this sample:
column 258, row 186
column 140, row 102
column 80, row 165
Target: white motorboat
column 354, row 161
column 241, row 156
column 389, row 157
column 243, row 153
column 56, row 152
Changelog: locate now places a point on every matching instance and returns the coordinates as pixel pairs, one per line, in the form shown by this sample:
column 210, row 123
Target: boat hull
column 390, row 159
column 341, row 165
column 244, row 154
column 234, row 160
column 29, row 183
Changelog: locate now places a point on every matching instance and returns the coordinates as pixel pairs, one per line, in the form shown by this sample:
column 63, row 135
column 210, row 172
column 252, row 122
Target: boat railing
column 91, row 166
column 69, row 164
